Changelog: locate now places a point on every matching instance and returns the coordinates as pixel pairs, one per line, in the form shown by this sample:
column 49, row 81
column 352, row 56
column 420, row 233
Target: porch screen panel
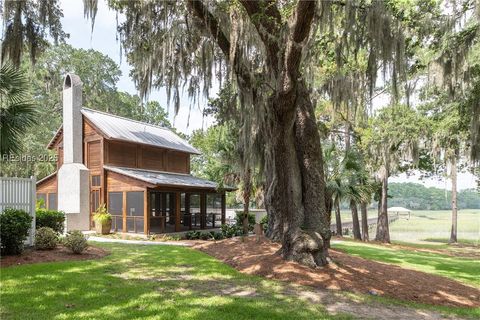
column 135, row 211
column 115, row 208
column 195, row 210
column 214, row 210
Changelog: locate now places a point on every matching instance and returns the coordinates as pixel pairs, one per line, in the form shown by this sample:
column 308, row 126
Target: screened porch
column 164, row 211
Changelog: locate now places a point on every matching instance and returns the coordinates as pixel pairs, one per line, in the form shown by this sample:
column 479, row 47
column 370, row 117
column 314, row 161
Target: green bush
column 50, row 219
column 239, row 220
column 192, row 235
column 218, row 236
column 75, row 241
column 206, row 236
column 14, row 227
column 102, row 216
column 264, row 223
column 46, row 239
column 229, row 231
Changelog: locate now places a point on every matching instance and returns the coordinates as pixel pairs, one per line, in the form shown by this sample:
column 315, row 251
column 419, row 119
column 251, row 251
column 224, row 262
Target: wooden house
column 140, row 171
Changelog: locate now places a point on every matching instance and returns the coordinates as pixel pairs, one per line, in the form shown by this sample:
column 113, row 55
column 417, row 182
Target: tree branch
column 266, row 18
column 211, row 24
column 300, row 25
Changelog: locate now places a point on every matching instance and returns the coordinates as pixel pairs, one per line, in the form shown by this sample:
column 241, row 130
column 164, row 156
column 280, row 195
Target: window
column 52, row 201
column 42, row 199
column 96, row 182
column 95, row 200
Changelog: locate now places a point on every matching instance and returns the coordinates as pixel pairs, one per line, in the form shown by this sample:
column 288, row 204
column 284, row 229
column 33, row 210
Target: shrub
column 102, row 216
column 264, row 223
column 50, row 219
column 206, row 236
column 165, row 237
column 218, row 236
column 46, row 239
column 14, row 227
column 239, row 220
column 229, row 231
column 192, row 235
column 75, row 241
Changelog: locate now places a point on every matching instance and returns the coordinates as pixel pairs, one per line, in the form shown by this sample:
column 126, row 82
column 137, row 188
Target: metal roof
column 166, row 178
column 119, row 128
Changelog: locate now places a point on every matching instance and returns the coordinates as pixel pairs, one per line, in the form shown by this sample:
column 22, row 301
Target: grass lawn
column 436, row 224
column 470, row 242
column 460, row 269
column 429, row 224
column 146, row 282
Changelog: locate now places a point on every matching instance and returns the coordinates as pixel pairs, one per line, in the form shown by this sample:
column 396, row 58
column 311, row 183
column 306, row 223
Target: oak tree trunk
column 296, row 189
column 355, row 224
column 383, row 233
column 453, row 233
column 364, row 212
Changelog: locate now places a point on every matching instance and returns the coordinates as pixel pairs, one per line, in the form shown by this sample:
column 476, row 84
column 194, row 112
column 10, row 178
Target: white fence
column 19, row 193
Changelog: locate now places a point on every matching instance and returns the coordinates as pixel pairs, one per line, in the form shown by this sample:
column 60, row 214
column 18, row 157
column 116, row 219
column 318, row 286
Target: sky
column 104, row 39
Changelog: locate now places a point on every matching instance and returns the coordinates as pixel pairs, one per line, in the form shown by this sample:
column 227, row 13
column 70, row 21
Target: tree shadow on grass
column 113, row 288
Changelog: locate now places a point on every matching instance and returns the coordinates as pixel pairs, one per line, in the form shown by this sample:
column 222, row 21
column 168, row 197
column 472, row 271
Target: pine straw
column 345, row 273
column 61, row 253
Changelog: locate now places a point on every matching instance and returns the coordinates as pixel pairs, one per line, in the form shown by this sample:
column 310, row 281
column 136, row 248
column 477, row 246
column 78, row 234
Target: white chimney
column 73, row 176
column 72, row 119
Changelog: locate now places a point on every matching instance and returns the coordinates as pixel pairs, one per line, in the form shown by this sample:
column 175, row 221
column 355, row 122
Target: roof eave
column 46, row 178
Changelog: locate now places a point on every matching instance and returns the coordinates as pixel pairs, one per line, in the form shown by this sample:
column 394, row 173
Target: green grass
column 463, row 270
column 428, row 224
column 469, row 242
column 436, row 224
column 146, row 282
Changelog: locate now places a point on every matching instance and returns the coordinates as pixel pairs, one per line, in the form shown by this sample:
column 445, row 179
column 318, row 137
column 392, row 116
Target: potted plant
column 103, row 220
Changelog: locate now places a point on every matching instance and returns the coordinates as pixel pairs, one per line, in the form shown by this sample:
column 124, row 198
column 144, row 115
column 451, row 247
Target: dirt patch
column 61, row 253
column 345, row 273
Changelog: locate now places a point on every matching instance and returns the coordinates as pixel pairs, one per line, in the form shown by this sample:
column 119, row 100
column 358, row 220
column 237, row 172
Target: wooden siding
column 94, row 162
column 59, row 157
column 117, row 182
column 48, row 186
column 177, row 162
column 121, row 154
column 130, row 155
column 89, row 132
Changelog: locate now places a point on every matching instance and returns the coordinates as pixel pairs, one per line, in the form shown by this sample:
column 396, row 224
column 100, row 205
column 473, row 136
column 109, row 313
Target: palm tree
column 17, row 111
column 347, row 180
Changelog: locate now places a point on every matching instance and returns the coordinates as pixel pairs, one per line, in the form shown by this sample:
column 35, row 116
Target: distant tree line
column 415, row 196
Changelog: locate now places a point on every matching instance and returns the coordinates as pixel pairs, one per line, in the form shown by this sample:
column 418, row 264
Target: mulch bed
column 61, row 253
column 347, row 272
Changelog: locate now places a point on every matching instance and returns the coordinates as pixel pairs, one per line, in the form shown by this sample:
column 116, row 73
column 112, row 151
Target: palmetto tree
column 346, row 180
column 17, row 110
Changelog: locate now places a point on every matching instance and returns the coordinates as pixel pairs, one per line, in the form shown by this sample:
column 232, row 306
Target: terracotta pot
column 103, row 228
